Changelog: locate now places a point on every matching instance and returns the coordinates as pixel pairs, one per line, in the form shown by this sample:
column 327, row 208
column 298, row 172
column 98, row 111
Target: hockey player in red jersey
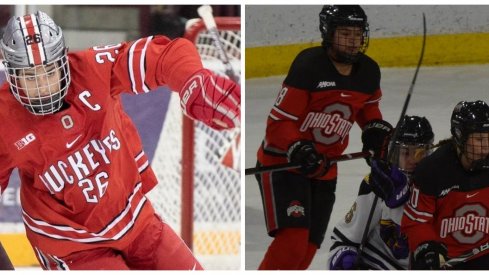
column 83, row 170
column 447, row 214
column 327, row 89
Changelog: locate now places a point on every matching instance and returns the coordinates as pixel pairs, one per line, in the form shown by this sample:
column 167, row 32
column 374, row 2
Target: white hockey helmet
column 36, row 62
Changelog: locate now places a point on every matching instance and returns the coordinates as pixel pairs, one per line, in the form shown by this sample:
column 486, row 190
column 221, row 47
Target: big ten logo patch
column 21, row 143
column 295, row 209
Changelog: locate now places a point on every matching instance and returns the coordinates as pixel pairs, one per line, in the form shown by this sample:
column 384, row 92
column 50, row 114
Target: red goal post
column 198, row 195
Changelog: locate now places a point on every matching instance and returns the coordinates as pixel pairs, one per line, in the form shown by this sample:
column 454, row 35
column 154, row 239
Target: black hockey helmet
column 470, row 117
column 415, row 139
column 415, row 130
column 333, row 16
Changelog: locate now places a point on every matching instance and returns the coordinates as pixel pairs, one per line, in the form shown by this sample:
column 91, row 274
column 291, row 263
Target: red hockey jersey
column 83, row 170
column 448, row 205
column 317, row 103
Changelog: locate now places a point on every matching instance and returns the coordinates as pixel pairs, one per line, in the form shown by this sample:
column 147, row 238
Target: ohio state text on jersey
column 459, row 200
column 317, row 103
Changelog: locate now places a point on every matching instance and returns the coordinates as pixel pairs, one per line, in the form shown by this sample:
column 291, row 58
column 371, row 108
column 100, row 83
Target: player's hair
column 34, row 44
column 333, row 16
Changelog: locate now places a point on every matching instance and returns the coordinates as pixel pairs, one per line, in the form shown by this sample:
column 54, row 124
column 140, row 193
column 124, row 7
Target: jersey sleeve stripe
column 373, row 101
column 285, row 114
column 142, row 161
column 419, row 213
column 414, row 218
column 142, row 64
column 130, row 65
column 143, row 167
column 139, row 156
column 136, row 65
column 273, row 117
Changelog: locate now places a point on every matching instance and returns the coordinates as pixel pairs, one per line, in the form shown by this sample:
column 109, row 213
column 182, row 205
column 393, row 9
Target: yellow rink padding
column 217, row 242
column 441, row 50
column 18, row 249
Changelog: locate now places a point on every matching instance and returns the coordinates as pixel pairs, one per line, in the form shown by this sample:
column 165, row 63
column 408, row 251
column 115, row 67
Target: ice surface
column 437, row 91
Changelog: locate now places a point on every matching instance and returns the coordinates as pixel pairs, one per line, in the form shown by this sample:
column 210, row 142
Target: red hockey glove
column 212, row 99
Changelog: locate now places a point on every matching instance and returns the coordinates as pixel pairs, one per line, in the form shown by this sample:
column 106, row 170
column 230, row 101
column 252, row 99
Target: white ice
column 436, row 92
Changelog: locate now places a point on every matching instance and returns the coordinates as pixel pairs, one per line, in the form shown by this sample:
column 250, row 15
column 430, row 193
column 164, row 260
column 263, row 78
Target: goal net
column 199, row 192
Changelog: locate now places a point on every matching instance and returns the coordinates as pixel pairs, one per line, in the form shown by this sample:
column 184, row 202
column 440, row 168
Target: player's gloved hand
column 344, row 259
column 389, row 183
column 375, row 137
column 212, row 99
column 428, row 254
column 312, row 163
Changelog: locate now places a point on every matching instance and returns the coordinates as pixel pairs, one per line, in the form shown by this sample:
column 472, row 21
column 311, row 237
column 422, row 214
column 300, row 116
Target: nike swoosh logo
column 471, row 195
column 70, row 144
column 345, row 95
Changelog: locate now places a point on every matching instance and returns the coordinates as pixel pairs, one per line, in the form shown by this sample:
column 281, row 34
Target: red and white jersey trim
column 276, row 114
column 373, row 101
column 142, row 161
column 30, row 29
column 115, row 230
column 136, row 63
column 416, row 215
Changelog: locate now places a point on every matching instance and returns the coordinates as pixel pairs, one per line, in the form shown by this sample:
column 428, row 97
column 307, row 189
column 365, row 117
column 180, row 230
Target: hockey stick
column 5, row 263
column 394, row 137
column 205, row 12
column 465, row 257
column 287, row 166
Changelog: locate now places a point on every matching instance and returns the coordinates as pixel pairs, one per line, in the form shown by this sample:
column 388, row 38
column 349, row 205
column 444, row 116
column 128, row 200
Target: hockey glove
column 428, row 255
column 389, row 183
column 375, row 137
column 312, row 163
column 212, row 99
column 344, row 259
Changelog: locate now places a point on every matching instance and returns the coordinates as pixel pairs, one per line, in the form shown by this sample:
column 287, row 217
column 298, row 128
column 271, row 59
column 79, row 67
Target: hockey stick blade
column 395, row 135
column 205, row 12
column 287, row 166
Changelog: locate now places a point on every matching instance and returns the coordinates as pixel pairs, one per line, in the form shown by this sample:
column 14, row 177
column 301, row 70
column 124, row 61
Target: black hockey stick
column 394, row 137
column 5, row 263
column 287, row 166
column 465, row 257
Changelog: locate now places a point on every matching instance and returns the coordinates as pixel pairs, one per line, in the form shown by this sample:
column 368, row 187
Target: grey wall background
column 280, row 25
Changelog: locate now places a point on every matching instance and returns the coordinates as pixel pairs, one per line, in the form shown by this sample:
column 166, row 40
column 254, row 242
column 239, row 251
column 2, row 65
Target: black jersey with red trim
column 319, row 104
column 448, row 204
